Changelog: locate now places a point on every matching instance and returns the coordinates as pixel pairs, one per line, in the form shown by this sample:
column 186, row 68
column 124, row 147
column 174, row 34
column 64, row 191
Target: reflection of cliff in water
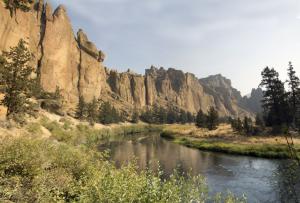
column 260, row 179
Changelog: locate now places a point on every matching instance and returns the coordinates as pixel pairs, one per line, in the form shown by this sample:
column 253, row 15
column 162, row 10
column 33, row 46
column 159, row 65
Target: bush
column 34, row 170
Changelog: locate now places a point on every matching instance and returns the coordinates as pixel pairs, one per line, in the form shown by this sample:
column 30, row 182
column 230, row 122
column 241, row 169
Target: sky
column 236, row 38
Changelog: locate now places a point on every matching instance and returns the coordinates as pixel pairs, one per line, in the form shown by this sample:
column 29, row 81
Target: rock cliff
column 253, row 103
column 75, row 65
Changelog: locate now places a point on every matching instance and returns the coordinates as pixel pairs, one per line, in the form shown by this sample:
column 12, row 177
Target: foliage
column 212, row 118
column 201, row 119
column 81, row 109
column 13, row 5
column 275, row 103
column 248, row 125
column 294, row 95
column 15, row 75
column 108, row 114
column 64, row 173
column 135, row 116
column 281, row 107
column 92, row 111
column 258, row 150
column 160, row 115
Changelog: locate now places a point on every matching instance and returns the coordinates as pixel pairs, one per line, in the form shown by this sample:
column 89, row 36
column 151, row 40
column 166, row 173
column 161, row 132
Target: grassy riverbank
column 225, row 140
column 55, row 159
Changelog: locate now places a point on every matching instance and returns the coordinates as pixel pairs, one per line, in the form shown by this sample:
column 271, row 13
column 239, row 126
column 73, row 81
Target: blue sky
column 236, row 38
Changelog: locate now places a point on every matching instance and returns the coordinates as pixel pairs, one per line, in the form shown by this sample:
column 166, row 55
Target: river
column 261, row 180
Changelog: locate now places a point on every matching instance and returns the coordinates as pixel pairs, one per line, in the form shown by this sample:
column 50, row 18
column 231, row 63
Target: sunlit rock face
column 61, row 55
column 74, row 64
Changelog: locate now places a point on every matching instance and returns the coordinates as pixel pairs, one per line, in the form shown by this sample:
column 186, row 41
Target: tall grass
column 89, row 136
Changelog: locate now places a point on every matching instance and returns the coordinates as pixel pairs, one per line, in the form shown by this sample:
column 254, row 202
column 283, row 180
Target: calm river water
column 261, row 180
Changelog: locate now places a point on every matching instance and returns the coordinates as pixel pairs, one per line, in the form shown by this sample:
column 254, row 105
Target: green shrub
column 34, row 128
column 34, row 170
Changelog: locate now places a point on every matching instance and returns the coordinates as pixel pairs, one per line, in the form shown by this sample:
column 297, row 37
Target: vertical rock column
column 60, row 61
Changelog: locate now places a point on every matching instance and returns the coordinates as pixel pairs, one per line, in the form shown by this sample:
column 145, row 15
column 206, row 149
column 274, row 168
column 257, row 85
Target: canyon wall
column 75, row 65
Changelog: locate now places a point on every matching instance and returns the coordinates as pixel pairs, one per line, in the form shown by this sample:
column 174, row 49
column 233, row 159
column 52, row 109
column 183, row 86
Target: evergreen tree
column 275, row 102
column 162, row 116
column 183, row 118
column 15, row 76
column 147, row 116
column 212, row 118
column 92, row 111
column 258, row 120
column 105, row 113
column 172, row 116
column 190, row 117
column 135, row 116
column 247, row 125
column 201, row 119
column 294, row 85
column 81, row 108
column 108, row 114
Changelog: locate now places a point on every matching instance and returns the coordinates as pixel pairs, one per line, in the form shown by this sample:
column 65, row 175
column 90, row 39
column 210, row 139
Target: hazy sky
column 236, row 38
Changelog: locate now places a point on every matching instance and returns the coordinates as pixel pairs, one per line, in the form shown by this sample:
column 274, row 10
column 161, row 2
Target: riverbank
column 225, row 140
column 56, row 159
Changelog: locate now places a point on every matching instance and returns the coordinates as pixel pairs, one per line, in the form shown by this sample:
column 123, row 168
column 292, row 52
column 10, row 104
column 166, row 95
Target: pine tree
column 108, row 114
column 258, row 120
column 294, row 85
column 183, row 118
column 92, row 111
column 15, row 76
column 212, row 118
column 135, row 116
column 172, row 116
column 275, row 102
column 190, row 117
column 247, row 125
column 162, row 115
column 201, row 119
column 81, row 108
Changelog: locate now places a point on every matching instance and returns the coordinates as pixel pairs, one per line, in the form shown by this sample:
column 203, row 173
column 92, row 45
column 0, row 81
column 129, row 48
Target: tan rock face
column 74, row 64
column 92, row 77
column 175, row 87
column 61, row 56
column 23, row 25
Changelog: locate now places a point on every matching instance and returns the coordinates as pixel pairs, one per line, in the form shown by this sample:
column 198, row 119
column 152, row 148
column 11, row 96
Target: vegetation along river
column 261, row 180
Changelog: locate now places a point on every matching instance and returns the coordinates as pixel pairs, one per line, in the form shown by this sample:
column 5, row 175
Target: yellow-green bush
column 34, row 170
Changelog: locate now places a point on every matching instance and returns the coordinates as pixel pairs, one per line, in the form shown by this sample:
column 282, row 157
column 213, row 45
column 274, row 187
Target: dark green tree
column 212, row 118
column 162, row 115
column 190, row 117
column 135, row 116
column 247, row 125
column 259, row 121
column 172, row 116
column 275, row 103
column 15, row 76
column 201, row 119
column 294, row 96
column 108, row 114
column 81, row 109
column 183, row 118
column 92, row 111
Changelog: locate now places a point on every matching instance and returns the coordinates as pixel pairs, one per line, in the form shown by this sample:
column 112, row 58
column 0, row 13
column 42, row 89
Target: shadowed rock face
column 74, row 64
column 254, row 102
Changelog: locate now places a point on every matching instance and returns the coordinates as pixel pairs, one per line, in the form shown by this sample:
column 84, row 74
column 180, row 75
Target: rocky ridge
column 75, row 65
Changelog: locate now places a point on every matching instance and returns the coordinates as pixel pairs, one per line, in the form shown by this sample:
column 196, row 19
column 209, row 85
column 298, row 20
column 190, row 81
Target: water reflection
column 239, row 174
